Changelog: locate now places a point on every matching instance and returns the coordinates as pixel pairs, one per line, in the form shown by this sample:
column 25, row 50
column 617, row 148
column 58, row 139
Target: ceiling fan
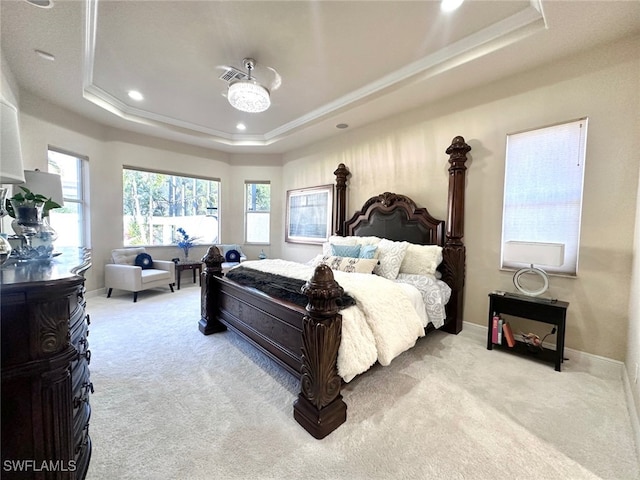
column 245, row 93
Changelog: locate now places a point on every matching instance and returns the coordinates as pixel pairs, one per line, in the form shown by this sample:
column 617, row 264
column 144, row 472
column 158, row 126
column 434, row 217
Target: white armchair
column 123, row 274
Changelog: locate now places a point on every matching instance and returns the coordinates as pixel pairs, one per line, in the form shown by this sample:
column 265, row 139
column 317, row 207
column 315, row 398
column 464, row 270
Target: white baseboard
column 479, row 331
column 633, row 408
column 96, row 293
column 593, row 364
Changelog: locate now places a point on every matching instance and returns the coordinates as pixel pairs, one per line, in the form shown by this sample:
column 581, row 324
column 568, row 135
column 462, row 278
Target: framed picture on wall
column 309, row 214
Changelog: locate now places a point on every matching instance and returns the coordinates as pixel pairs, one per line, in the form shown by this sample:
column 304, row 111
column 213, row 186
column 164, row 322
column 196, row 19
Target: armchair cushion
column 227, row 247
column 227, row 251
column 144, row 261
column 232, row 256
column 126, row 256
column 151, row 275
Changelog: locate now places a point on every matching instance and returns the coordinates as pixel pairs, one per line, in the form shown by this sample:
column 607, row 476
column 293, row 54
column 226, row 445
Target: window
column 156, row 204
column 70, row 221
column 257, row 212
column 543, row 185
column 309, row 215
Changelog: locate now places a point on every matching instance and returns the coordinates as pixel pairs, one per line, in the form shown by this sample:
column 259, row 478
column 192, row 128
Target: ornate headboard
column 397, row 217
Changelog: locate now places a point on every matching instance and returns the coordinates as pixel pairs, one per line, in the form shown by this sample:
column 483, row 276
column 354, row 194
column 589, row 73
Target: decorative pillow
column 390, row 255
column 352, row 251
column 336, row 240
column 371, row 240
column 144, row 261
column 349, row 264
column 232, row 256
column 368, row 251
column 421, row 259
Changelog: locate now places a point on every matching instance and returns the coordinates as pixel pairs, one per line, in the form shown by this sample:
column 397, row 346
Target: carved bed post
column 319, row 407
column 209, row 292
column 341, row 174
column 454, row 249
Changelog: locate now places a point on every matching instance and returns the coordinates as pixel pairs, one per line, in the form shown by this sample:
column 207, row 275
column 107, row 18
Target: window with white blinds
column 543, row 185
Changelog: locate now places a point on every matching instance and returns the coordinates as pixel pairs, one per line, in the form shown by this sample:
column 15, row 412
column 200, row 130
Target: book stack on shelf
column 501, row 332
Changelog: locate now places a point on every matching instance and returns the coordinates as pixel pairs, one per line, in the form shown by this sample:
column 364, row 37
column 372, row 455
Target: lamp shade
column 11, row 169
column 44, row 183
column 248, row 96
column 534, row 253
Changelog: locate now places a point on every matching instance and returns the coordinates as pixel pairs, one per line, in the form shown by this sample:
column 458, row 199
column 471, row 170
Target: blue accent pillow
column 368, row 251
column 144, row 260
column 352, row 251
column 232, row 256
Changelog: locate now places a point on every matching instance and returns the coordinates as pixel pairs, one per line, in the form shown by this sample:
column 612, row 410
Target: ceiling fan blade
column 277, row 79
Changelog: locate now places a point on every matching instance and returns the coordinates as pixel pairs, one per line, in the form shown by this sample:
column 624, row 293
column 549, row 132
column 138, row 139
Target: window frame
column 174, row 236
column 563, row 212
column 247, row 183
column 295, row 211
column 82, row 200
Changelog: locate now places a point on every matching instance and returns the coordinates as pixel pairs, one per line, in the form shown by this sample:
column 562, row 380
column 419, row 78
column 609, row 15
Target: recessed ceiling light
column 450, row 5
column 342, row 125
column 41, row 3
column 135, row 95
column 241, row 126
column 45, row 55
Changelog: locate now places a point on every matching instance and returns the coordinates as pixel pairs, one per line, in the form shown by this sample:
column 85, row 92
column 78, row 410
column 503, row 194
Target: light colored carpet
column 171, row 403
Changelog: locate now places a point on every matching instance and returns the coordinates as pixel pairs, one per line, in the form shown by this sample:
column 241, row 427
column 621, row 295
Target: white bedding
column 375, row 329
column 435, row 294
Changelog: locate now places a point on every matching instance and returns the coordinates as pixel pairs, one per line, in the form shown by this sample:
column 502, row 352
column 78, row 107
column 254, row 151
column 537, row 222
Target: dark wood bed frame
column 305, row 341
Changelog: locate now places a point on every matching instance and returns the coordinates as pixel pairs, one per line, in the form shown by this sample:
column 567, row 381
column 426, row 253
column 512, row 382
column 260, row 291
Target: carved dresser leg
column 319, row 407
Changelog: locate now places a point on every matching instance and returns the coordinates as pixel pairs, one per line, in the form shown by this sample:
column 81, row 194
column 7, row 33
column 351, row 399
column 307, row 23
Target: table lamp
column 533, row 253
column 44, row 183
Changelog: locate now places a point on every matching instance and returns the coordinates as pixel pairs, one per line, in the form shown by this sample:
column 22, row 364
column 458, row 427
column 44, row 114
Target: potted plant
column 28, row 208
column 25, row 205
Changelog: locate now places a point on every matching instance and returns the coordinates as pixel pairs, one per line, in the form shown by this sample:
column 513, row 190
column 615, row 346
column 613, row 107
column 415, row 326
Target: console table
column 45, row 369
column 552, row 312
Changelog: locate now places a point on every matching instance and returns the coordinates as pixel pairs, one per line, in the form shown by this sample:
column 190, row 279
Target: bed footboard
column 319, row 407
column 304, row 342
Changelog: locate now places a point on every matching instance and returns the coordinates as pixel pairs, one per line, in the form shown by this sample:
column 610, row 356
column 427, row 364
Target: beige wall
column 632, row 362
column 405, row 154
column 44, row 124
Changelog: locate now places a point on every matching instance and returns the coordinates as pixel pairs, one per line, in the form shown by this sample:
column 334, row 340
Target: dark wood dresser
column 45, row 368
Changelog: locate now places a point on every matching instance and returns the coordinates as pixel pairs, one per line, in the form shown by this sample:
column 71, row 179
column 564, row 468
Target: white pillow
column 421, row 259
column 337, row 240
column 390, row 256
column 367, row 240
column 349, row 264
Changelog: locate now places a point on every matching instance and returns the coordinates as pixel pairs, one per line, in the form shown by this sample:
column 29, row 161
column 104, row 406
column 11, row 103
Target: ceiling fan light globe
column 248, row 96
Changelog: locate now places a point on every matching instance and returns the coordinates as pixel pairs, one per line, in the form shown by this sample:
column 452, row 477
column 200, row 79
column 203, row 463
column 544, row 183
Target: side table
column 193, row 266
column 552, row 312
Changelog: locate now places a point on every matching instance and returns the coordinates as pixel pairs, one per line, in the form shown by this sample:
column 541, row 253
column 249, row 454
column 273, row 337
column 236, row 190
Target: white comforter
column 387, row 319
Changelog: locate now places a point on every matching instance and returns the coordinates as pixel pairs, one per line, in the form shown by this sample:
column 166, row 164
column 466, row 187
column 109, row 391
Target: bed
column 305, row 340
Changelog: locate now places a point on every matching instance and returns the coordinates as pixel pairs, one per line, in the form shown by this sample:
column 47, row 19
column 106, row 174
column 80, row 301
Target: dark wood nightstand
column 541, row 310
column 182, row 266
